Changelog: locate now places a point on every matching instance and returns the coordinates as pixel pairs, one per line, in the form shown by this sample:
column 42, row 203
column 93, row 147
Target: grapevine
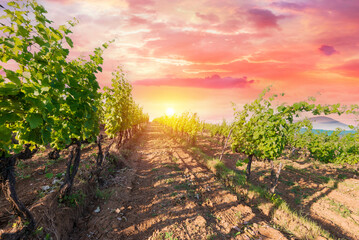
column 45, row 98
column 187, row 125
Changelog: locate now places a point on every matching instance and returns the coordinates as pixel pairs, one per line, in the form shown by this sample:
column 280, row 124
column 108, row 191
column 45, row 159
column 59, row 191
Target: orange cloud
column 214, row 81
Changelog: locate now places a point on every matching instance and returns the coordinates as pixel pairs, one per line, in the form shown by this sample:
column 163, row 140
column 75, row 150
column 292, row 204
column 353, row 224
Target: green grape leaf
column 49, row 175
column 35, row 120
column 5, row 134
column 12, row 76
column 69, row 42
column 9, row 89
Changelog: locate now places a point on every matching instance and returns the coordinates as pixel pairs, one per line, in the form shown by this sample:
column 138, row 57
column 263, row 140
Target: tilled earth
column 163, row 193
column 327, row 194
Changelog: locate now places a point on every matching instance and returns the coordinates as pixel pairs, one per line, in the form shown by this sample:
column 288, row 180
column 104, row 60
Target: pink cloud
column 263, row 18
column 269, row 71
column 327, row 50
column 350, row 68
column 230, row 25
column 195, row 46
column 62, row 1
column 290, row 5
column 347, row 40
column 139, row 3
column 137, row 20
column 214, row 81
column 141, row 6
column 212, row 18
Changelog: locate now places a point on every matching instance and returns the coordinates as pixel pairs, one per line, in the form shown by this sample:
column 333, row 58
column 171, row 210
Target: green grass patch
column 324, row 178
column 212, row 236
column 169, row 180
column 159, row 177
column 199, row 152
column 288, row 183
column 296, row 189
column 307, row 173
column 182, row 186
column 74, row 199
column 103, row 194
column 342, row 176
column 339, row 208
column 172, row 166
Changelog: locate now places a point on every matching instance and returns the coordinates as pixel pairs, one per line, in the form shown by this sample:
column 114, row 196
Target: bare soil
column 164, row 193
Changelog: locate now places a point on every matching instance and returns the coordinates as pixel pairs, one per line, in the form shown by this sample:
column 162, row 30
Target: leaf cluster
column 330, row 147
column 218, row 130
column 45, row 98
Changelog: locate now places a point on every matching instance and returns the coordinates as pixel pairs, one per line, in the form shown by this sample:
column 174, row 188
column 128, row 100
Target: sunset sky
column 202, row 55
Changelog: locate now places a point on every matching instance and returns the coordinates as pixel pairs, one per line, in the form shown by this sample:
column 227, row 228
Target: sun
column 170, row 112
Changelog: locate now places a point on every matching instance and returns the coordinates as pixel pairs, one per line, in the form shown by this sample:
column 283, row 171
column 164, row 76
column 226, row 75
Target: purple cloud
column 263, row 18
column 214, row 81
column 338, row 9
column 290, row 5
column 328, row 50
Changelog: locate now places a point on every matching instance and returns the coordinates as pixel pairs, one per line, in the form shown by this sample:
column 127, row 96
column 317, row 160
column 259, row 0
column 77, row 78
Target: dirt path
column 166, row 194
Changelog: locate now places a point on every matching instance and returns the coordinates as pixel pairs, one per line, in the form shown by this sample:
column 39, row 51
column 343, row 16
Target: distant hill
column 327, row 123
